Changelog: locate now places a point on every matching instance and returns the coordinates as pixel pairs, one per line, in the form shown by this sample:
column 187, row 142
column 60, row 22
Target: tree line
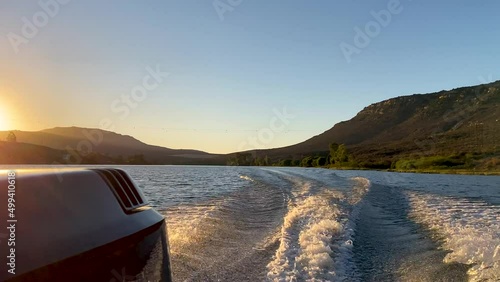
column 338, row 156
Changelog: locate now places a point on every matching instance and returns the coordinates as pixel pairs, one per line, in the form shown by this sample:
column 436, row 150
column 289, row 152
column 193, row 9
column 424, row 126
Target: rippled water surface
column 297, row 224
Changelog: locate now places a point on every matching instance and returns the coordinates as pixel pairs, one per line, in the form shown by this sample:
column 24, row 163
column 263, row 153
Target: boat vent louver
column 123, row 188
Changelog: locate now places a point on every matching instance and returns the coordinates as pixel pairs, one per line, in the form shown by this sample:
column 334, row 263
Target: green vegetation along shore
column 338, row 157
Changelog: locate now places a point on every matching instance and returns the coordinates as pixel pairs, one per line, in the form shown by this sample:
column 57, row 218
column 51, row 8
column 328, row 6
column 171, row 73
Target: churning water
column 296, row 224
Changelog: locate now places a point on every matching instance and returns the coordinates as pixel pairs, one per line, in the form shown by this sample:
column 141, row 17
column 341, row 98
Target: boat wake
column 316, row 236
column 301, row 224
column 246, row 178
column 469, row 229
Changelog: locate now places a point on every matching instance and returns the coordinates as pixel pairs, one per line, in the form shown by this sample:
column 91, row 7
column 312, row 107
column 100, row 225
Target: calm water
column 296, row 224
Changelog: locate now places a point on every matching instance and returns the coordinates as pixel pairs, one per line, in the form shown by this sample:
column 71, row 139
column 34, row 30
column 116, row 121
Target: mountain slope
column 85, row 140
column 21, row 153
column 461, row 119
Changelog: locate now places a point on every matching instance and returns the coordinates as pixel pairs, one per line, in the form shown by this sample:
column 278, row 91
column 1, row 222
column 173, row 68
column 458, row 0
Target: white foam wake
column 344, row 264
column 246, row 178
column 361, row 186
column 316, row 233
column 470, row 229
column 189, row 224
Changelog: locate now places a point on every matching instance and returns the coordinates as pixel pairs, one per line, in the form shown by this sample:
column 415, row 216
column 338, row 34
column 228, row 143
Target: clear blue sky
column 228, row 74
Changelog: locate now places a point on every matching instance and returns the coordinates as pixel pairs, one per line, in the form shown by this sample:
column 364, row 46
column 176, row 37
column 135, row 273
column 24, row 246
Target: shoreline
column 423, row 171
column 427, row 171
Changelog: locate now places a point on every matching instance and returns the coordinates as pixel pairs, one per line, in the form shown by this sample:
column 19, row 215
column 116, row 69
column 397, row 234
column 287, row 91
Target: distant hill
column 113, row 145
column 21, row 153
column 460, row 120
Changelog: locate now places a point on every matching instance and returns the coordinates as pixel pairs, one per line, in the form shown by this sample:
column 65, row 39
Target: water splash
column 316, row 236
column 470, row 230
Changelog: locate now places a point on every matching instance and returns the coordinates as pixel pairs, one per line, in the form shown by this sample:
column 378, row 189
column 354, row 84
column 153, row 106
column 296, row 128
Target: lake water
column 297, row 224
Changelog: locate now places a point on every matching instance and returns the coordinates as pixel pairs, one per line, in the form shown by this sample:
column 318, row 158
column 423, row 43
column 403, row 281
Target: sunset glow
column 4, row 124
column 231, row 68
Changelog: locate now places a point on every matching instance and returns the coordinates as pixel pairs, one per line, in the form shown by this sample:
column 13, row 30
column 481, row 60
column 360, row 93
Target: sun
column 6, row 111
column 4, row 124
